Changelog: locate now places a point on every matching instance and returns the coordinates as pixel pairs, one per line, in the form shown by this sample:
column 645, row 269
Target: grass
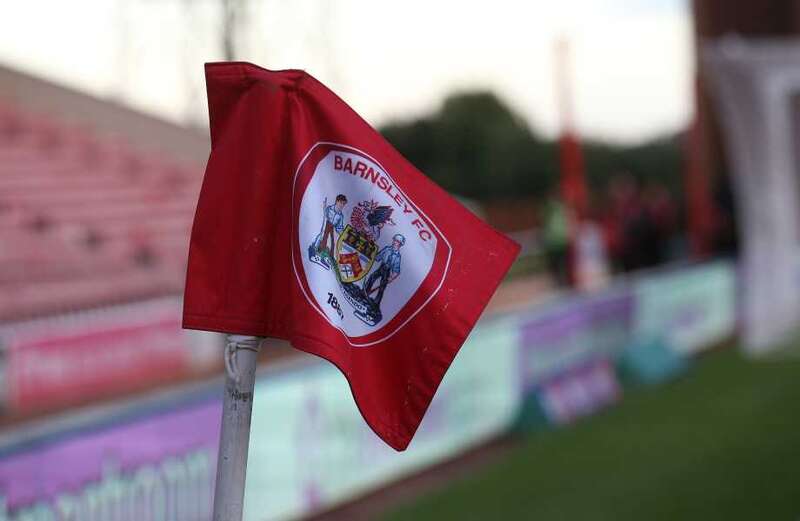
column 723, row 442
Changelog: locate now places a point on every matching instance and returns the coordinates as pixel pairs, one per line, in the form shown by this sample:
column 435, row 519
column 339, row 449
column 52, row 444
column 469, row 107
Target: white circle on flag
column 365, row 249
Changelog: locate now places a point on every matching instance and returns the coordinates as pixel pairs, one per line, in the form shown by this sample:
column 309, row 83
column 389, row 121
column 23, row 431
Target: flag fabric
column 311, row 228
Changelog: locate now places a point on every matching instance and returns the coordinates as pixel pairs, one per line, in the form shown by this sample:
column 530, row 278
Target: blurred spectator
column 663, row 212
column 639, row 224
column 555, row 238
column 591, row 257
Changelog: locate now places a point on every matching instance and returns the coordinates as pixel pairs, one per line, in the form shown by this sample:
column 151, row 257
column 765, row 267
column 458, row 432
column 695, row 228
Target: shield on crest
column 355, row 253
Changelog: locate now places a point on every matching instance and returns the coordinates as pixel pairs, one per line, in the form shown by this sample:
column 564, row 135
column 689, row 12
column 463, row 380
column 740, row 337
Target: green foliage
column 658, row 161
column 477, row 147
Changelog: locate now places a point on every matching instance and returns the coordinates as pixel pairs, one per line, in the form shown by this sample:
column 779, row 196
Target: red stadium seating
column 86, row 221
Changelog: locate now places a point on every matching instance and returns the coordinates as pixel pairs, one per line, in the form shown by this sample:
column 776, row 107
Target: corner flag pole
column 241, row 353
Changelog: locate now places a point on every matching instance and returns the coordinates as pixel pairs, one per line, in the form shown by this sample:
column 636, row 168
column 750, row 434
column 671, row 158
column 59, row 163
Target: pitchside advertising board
column 157, row 461
column 568, row 350
column 573, row 333
column 138, row 465
column 59, row 362
column 690, row 309
column 579, row 392
column 566, row 356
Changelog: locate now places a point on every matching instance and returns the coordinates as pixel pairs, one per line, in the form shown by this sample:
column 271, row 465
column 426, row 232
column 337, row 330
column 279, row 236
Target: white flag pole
column 241, row 353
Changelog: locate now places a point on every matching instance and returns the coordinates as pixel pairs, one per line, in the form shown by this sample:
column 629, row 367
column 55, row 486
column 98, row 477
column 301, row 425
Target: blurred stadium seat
column 84, row 221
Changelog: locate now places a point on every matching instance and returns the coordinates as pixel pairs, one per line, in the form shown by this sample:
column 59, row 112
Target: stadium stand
column 96, row 205
column 88, row 217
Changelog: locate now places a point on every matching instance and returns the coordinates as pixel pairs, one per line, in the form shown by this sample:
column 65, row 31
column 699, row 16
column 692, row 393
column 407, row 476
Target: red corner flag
column 311, row 228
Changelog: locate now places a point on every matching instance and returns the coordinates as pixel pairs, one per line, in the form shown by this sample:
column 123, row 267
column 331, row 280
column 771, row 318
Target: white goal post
column 755, row 84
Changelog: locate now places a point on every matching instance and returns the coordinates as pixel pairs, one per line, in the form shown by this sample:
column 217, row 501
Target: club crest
column 355, row 254
column 365, row 256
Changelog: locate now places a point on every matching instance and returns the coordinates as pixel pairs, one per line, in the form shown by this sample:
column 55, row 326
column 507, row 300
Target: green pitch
column 721, row 443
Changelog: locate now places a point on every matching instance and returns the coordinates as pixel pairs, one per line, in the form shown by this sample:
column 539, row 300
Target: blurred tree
column 657, row 161
column 477, row 147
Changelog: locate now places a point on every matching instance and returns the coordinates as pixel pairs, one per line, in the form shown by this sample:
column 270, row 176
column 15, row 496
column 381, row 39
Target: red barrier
column 52, row 366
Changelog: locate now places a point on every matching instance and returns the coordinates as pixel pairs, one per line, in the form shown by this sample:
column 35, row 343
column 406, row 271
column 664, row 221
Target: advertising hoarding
column 309, row 449
column 86, row 357
column 572, row 333
column 689, row 309
column 157, row 466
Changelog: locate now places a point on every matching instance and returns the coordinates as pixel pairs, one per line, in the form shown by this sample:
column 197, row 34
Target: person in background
column 555, row 238
column 663, row 213
column 631, row 232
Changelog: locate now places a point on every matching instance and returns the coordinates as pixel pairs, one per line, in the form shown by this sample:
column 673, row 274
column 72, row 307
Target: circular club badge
column 366, row 257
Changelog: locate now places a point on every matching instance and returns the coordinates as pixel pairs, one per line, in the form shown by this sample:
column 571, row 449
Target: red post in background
column 573, row 179
column 700, row 212
column 573, row 188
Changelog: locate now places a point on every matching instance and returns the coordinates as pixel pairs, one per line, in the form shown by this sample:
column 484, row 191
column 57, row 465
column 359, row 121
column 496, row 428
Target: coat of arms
column 355, row 253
